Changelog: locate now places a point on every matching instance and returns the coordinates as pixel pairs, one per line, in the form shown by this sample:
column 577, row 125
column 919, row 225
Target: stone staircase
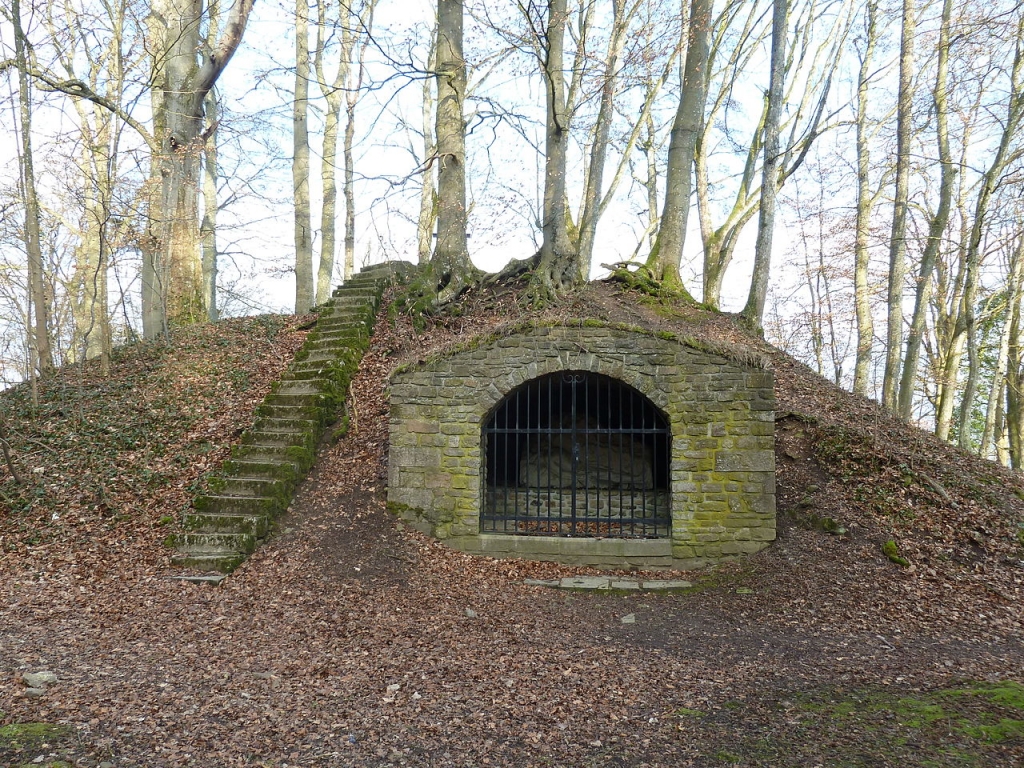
column 256, row 484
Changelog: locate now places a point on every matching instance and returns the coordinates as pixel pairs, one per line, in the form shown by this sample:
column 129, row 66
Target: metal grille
column 577, row 454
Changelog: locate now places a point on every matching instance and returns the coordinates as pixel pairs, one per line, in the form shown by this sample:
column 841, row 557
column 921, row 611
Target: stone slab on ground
column 594, row 583
column 213, row 581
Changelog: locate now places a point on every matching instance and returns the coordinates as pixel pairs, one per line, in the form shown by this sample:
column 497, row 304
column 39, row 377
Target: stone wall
column 720, row 408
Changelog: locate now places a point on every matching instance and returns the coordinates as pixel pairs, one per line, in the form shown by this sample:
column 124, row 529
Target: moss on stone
column 891, row 551
column 20, row 736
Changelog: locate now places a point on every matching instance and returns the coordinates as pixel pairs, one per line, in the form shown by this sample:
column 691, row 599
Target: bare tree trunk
column 172, row 272
column 328, row 178
column 450, row 265
column 428, row 194
column 865, row 205
column 898, row 239
column 39, row 298
column 938, row 223
column 92, row 324
column 332, row 93
column 602, row 129
column 1015, row 390
column 303, row 235
column 667, row 254
column 753, row 312
column 964, row 331
column 350, row 182
column 995, row 396
column 559, row 267
column 208, row 225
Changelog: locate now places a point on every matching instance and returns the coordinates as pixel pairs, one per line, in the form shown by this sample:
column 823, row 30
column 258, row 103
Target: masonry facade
column 715, row 408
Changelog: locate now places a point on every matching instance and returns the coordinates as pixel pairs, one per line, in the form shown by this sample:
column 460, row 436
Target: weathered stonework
column 720, row 408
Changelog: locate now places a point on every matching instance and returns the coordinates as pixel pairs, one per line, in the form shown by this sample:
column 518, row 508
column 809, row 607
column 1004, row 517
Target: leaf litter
column 347, row 639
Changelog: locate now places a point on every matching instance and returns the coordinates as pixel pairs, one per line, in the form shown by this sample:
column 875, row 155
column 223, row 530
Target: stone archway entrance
column 576, row 453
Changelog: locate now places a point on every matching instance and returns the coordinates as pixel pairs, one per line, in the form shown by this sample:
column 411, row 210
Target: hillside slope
column 346, row 640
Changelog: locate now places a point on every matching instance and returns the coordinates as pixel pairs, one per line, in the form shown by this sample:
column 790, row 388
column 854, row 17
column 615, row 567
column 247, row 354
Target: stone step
column 300, row 387
column 301, row 456
column 270, row 423
column 216, row 504
column 272, row 469
column 356, row 307
column 260, row 436
column 257, row 482
column 306, row 371
column 273, row 411
column 204, row 522
column 367, row 288
column 294, row 400
column 214, row 543
column 249, row 487
column 341, row 325
column 319, row 357
column 354, row 333
column 336, row 344
column 217, row 562
column 359, row 312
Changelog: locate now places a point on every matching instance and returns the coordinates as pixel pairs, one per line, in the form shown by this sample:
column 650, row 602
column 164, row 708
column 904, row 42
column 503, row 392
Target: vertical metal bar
column 550, row 378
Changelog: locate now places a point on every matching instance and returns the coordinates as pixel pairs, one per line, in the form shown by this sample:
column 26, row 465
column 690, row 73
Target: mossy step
column 341, row 324
column 319, row 357
column 214, row 543
column 275, row 468
column 249, row 487
column 300, row 387
column 355, row 312
column 259, row 435
column 353, row 301
column 302, row 456
column 272, row 423
column 342, row 332
column 339, row 343
column 314, row 401
column 275, row 411
column 368, row 294
column 202, row 522
column 308, row 371
column 218, row 562
column 336, row 354
column 216, row 504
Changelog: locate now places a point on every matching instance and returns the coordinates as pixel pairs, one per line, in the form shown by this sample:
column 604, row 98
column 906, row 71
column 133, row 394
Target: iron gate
column 577, row 454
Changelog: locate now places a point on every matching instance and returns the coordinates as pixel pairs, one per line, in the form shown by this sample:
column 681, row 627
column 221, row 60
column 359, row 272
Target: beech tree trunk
column 991, row 432
column 667, row 254
column 964, row 329
column 303, row 234
column 938, row 222
column 592, row 194
column 428, row 193
column 559, row 268
column 208, row 225
column 171, row 267
column 450, row 266
column 38, row 319
column 754, row 309
column 865, row 205
column 898, row 238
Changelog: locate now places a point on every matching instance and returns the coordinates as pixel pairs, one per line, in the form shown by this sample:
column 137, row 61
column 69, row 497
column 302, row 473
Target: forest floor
column 347, row 640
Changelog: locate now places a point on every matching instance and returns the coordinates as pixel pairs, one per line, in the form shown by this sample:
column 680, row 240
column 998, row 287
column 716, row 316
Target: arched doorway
column 576, row 453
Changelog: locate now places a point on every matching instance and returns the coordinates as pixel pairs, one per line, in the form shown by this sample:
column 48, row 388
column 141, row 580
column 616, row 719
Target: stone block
column 745, row 461
column 625, row 584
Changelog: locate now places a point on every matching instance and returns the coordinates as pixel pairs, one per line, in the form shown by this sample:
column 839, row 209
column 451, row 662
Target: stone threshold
column 611, row 583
